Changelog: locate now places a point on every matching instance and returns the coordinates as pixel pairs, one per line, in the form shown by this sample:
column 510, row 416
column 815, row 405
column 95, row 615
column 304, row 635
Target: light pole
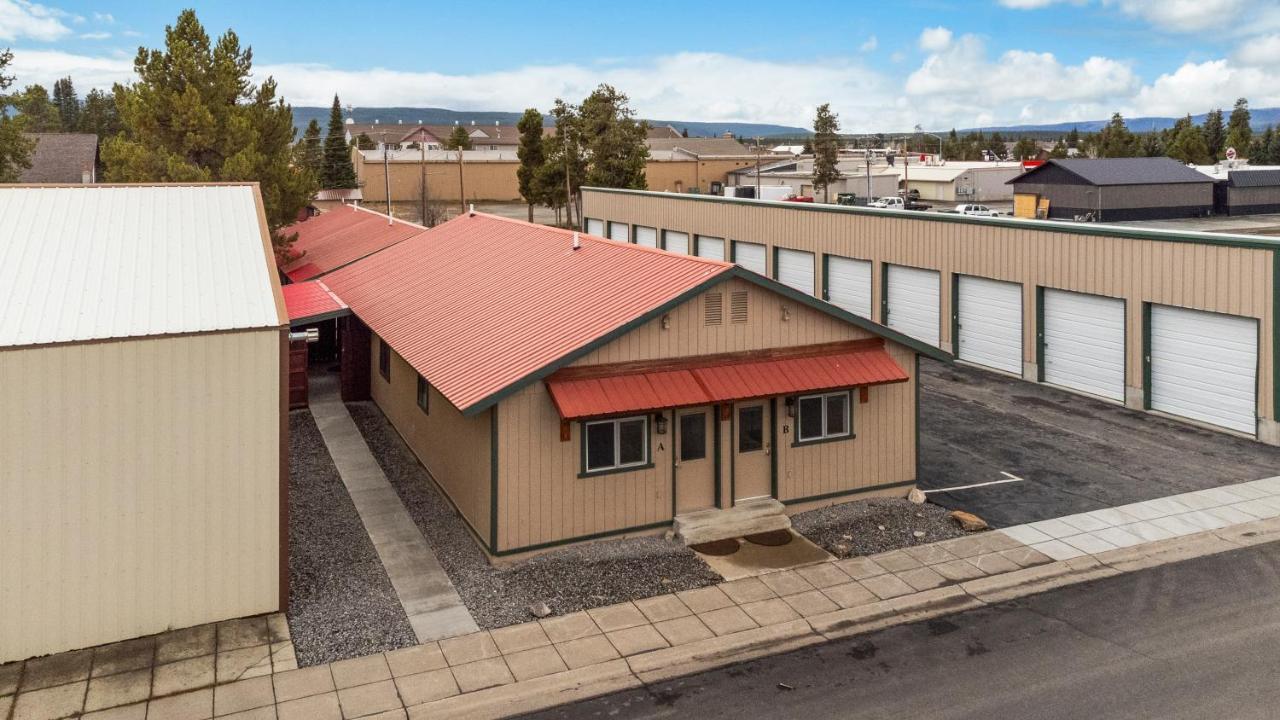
column 928, row 134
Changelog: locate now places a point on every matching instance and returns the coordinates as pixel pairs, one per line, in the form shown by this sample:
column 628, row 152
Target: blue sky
column 935, row 62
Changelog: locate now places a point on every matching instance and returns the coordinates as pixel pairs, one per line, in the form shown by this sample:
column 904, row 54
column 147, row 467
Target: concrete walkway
column 435, row 611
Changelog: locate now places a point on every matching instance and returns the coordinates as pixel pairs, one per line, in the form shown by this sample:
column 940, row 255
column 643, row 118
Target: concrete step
column 745, row 518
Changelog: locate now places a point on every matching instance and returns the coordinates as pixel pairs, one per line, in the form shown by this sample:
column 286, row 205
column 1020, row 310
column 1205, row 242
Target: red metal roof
column 481, row 302
column 341, row 236
column 581, row 392
column 311, row 301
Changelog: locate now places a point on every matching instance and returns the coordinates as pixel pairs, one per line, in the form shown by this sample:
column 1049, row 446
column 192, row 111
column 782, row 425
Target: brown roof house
column 63, row 158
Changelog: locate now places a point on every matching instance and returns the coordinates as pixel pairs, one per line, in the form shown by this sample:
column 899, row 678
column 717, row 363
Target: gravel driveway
column 341, row 604
column 575, row 578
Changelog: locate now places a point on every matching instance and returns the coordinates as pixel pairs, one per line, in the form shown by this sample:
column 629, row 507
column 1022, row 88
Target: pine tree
column 15, row 148
column 195, row 115
column 1152, row 145
column 311, row 149
column 38, row 111
column 531, row 157
column 613, row 139
column 1073, row 138
column 1261, row 149
column 98, row 115
column 1025, row 149
column 1215, row 135
column 566, row 163
column 336, row 170
column 67, row 105
column 826, row 150
column 459, row 139
column 1188, row 144
column 1059, row 150
column 1115, row 140
column 1239, row 134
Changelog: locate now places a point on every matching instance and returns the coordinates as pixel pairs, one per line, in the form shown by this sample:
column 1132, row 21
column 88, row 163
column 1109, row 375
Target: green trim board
column 916, row 379
column 826, row 277
column 955, row 313
column 1053, row 226
column 1039, row 333
column 884, row 293
column 715, row 438
column 729, row 272
column 847, row 493
column 773, row 446
column 672, row 452
column 1275, row 336
column 493, row 481
column 733, row 459
column 1146, row 356
column 581, row 538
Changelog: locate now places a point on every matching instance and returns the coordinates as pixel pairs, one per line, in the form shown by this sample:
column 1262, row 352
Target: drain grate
column 773, row 538
column 716, row 547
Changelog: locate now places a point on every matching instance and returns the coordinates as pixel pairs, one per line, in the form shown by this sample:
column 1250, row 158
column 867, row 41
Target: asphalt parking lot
column 1073, row 454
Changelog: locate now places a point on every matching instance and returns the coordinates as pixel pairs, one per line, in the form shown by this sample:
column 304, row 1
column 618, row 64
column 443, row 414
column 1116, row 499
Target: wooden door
column 752, row 461
column 695, row 460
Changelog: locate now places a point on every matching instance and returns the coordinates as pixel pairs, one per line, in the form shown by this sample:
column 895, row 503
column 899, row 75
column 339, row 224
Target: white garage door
column 849, row 284
column 676, row 242
column 915, row 305
column 795, row 269
column 619, row 231
column 595, row 227
column 990, row 319
column 1083, row 340
column 646, row 236
column 1204, row 366
column 710, row 247
column 750, row 256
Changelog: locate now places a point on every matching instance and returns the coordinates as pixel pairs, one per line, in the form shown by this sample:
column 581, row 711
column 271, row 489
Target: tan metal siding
column 453, row 448
column 1202, row 276
column 543, row 500
column 140, row 487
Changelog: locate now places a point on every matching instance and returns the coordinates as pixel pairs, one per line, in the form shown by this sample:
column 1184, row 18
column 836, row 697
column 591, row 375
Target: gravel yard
column 341, row 604
column 867, row 527
column 575, row 578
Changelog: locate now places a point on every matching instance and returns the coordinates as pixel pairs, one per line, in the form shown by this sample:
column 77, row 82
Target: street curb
column 532, row 695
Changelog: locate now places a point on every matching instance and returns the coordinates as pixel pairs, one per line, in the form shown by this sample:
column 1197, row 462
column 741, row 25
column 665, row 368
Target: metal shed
column 1113, row 190
column 143, row 348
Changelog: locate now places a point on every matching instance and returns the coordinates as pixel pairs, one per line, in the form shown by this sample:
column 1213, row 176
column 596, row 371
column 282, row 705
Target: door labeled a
column 695, row 463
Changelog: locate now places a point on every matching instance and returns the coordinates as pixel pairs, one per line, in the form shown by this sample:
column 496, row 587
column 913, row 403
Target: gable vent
column 713, row 309
column 738, row 306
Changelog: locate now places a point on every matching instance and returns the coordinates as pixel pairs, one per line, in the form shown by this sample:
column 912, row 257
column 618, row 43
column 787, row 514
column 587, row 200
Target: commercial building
column 1240, row 189
column 798, row 175
column 561, row 387
column 143, row 353
column 1180, row 323
column 960, row 182
column 1112, row 189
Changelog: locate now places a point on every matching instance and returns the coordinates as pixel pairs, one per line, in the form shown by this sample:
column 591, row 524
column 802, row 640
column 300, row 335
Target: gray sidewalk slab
column 430, row 601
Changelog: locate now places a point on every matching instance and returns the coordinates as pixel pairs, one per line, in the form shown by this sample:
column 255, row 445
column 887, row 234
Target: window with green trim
column 615, row 444
column 822, row 417
column 424, row 395
column 384, row 360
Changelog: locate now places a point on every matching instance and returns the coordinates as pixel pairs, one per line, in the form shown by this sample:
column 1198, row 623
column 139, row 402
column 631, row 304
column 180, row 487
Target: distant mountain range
column 442, row 116
column 1261, row 118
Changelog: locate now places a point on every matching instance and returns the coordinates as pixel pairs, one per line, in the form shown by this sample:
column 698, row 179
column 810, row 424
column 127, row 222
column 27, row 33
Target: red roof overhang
column 599, row 390
column 312, row 301
column 306, row 271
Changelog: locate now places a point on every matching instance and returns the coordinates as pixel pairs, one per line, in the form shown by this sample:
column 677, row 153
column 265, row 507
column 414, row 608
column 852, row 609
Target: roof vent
column 713, row 309
column 577, row 241
column 471, row 209
column 738, row 306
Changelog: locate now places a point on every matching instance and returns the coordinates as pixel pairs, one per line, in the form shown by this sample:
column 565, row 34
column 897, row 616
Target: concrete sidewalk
column 430, row 601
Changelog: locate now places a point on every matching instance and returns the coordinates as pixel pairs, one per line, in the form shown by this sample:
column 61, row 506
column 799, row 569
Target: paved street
column 1190, row 640
column 1075, row 453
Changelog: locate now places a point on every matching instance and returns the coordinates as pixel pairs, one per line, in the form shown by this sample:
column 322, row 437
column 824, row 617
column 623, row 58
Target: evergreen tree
column 531, row 157
column 826, row 150
column 1115, row 140
column 1239, row 134
column 458, row 139
column 194, row 115
column 613, row 139
column 1262, row 147
column 38, row 112
column 311, row 150
column 1188, row 144
column 1215, row 135
column 1059, row 150
column 336, row 170
column 1025, row 149
column 364, row 142
column 15, row 148
column 67, row 105
column 1073, row 138
column 566, row 163
column 98, row 115
column 1151, row 145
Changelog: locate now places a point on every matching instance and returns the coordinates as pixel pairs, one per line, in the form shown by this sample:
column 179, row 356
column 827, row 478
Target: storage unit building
column 1113, row 190
column 559, row 394
column 1076, row 305
column 143, row 363
column 1251, row 192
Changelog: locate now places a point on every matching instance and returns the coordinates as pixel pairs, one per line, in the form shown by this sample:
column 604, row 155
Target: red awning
column 594, row 391
column 312, row 301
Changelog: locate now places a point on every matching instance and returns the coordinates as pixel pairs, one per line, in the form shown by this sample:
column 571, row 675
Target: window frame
column 384, row 359
column 424, row 395
column 825, row 437
column 617, row 467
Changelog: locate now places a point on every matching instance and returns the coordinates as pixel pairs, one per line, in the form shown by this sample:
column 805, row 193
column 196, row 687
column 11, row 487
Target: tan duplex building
column 1179, row 323
column 560, row 388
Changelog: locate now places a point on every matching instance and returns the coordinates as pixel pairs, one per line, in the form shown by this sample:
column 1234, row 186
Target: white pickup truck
column 976, row 210
column 892, row 203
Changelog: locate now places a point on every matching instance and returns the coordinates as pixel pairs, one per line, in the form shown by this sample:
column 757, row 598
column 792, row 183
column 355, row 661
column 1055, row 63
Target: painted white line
column 1008, row 479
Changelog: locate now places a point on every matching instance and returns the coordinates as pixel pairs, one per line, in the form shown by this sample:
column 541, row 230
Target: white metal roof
column 96, row 262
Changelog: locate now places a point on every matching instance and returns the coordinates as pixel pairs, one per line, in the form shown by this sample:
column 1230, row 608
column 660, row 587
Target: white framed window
column 823, row 417
column 615, row 444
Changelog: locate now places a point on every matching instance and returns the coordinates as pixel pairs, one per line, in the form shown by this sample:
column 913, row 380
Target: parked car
column 976, row 210
column 893, row 203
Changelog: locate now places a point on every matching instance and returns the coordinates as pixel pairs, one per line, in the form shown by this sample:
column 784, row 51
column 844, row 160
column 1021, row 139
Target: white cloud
column 106, row 18
column 1263, row 50
column 1196, row 87
column 46, row 66
column 22, row 19
column 935, row 39
column 869, row 45
column 1186, row 16
column 1027, row 4
column 99, row 35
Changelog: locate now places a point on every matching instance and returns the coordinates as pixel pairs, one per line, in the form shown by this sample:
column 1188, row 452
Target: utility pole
column 386, row 173
column 758, row 168
column 462, row 188
column 867, row 150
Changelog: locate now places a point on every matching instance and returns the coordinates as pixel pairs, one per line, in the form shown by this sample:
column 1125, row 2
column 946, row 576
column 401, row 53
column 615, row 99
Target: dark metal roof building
column 1115, row 189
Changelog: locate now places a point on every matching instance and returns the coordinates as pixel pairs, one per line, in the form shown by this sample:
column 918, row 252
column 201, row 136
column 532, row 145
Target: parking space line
column 1008, row 478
